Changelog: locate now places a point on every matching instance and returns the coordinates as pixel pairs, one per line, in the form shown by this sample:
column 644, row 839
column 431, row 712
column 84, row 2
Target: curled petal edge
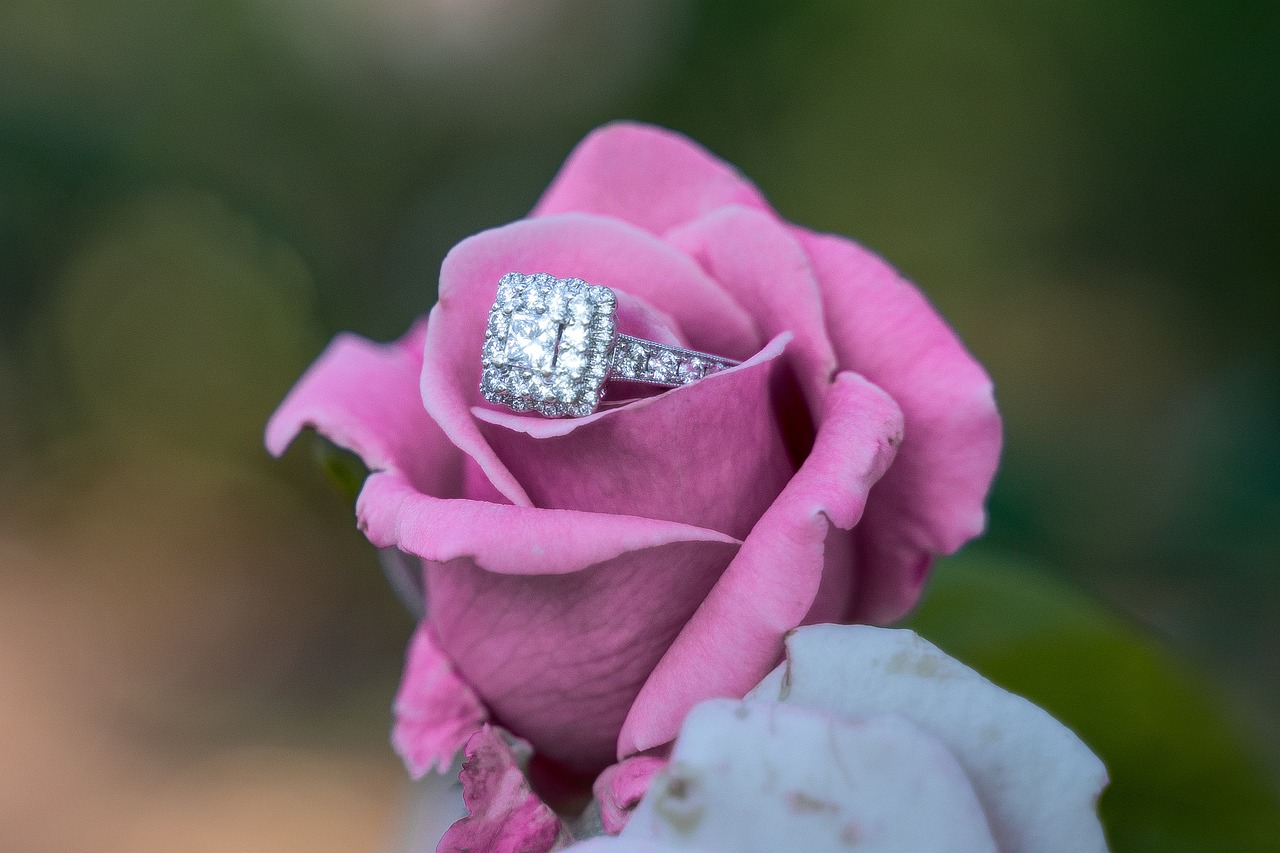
column 621, row 786
column 933, row 499
column 392, row 512
column 388, row 429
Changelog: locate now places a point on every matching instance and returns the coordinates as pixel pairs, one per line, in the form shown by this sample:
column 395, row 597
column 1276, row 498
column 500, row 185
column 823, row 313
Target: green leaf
column 344, row 470
column 1183, row 778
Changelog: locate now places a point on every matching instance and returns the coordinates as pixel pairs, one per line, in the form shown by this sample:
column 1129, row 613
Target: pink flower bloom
column 588, row 581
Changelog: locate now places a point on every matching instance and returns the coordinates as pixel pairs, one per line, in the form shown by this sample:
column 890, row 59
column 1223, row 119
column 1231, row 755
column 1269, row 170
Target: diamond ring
column 553, row 343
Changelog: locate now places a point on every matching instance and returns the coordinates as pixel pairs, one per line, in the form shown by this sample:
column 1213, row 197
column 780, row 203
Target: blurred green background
column 197, row 648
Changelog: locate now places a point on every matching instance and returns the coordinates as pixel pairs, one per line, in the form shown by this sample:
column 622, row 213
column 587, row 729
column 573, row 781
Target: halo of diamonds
column 548, row 344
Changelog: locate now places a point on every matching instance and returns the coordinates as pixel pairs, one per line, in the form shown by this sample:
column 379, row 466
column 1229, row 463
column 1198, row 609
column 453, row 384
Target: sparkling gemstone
column 635, row 361
column 564, row 390
column 579, row 310
column 569, row 361
column 548, row 344
column 692, row 370
column 518, row 382
column 573, row 338
column 531, row 341
column 668, row 366
column 508, row 295
column 556, row 305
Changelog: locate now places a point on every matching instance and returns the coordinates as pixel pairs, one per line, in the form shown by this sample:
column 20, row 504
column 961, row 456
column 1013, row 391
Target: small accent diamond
column 668, row 367
column 556, row 305
column 692, row 370
column 573, row 337
column 580, row 311
column 535, row 301
column 508, row 294
column 564, row 390
column 569, row 361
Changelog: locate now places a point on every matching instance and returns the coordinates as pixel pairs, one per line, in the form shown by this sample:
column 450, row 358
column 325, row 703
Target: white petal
column 1037, row 781
column 614, row 844
column 762, row 777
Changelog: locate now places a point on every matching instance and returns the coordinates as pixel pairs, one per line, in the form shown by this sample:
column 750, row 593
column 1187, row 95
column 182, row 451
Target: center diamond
column 531, row 341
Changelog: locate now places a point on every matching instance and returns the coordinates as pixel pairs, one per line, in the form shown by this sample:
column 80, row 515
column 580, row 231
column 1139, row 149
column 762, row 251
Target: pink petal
column 364, row 397
column 435, row 711
column 554, row 617
column 761, row 264
column 561, row 658
column 620, row 787
column 736, row 635
column 645, row 175
column 506, row 816
column 710, row 453
column 507, row 539
column 931, row 501
column 601, row 251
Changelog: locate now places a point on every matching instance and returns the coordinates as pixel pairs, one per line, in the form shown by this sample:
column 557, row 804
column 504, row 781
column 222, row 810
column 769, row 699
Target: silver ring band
column 638, row 360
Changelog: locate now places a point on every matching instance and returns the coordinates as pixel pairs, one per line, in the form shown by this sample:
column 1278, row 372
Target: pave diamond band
column 551, row 345
column 637, row 360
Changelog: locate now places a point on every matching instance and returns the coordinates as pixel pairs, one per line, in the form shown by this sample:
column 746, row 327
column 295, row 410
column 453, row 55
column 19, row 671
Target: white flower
column 870, row 739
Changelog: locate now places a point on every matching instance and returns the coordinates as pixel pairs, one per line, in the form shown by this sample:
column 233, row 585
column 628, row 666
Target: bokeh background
column 197, row 650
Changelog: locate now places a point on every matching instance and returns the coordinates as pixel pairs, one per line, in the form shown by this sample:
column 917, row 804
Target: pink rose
column 588, row 581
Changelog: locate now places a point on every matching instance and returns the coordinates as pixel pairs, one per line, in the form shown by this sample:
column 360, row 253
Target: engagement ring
column 553, row 343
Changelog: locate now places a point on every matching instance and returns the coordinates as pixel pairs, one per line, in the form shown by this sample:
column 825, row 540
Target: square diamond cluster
column 548, row 344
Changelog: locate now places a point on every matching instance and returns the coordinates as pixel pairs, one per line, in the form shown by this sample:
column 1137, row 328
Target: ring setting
column 552, row 344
